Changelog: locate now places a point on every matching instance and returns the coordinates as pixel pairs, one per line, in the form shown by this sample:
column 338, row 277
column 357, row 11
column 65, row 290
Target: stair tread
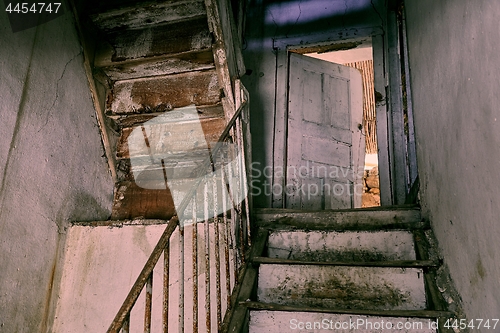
column 165, row 64
column 148, row 14
column 392, row 263
column 383, row 218
column 163, row 93
column 255, row 305
column 265, row 321
column 321, row 245
column 178, row 37
column 342, row 286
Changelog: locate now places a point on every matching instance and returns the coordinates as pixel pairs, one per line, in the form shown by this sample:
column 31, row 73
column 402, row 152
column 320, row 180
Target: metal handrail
column 122, row 318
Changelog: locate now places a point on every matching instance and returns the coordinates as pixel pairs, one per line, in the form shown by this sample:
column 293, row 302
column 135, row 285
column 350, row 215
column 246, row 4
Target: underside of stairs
column 167, row 68
column 361, row 270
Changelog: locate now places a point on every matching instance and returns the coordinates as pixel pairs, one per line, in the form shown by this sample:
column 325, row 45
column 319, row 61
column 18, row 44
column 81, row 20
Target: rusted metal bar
column 244, row 184
column 149, row 303
column 226, row 237
column 142, row 278
column 126, row 324
column 181, row 278
column 207, row 261
column 217, row 254
column 166, row 287
column 195, row 268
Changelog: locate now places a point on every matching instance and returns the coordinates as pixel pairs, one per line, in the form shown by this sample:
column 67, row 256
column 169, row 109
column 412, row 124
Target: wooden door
column 325, row 143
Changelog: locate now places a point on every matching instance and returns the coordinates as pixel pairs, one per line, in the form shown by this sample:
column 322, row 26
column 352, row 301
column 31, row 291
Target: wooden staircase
column 147, row 59
column 349, row 271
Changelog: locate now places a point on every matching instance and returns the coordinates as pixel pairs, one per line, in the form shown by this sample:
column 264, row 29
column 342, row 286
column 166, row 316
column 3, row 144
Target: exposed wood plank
column 164, row 93
column 392, row 263
column 397, row 126
column 99, row 104
column 160, row 65
column 382, row 121
column 412, row 149
column 179, row 137
column 132, row 201
column 120, row 224
column 382, row 313
column 130, row 120
column 187, row 166
column 221, row 57
column 148, row 14
column 155, row 41
column 289, row 224
column 361, row 219
column 280, row 126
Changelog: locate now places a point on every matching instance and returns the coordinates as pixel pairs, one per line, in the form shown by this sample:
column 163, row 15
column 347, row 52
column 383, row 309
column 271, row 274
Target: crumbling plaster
column 52, row 169
column 453, row 57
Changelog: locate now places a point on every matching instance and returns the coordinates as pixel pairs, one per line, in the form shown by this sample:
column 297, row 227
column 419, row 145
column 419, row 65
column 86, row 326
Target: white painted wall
column 51, row 165
column 454, row 69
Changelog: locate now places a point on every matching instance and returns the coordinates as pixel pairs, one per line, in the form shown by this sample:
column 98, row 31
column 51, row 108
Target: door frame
column 282, row 48
column 398, row 170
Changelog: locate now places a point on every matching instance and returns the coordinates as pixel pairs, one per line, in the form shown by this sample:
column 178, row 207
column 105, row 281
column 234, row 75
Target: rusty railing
column 204, row 245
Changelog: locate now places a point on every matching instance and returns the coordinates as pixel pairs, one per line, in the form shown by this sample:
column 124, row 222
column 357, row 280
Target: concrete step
column 342, row 287
column 364, row 246
column 284, row 322
column 360, row 219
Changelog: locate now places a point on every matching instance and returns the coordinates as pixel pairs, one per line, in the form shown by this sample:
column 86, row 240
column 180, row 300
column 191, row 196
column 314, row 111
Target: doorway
column 361, row 58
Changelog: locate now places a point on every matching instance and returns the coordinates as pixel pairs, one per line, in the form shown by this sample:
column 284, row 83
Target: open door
column 325, row 143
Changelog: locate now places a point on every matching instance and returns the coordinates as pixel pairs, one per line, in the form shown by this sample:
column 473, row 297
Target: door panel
column 325, row 143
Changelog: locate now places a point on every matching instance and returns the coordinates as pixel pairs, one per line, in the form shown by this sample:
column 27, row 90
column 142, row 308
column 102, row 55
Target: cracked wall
column 271, row 20
column 52, row 168
column 453, row 57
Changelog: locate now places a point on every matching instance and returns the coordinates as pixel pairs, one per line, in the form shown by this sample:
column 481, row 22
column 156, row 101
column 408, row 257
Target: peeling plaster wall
column 268, row 20
column 51, row 165
column 453, row 53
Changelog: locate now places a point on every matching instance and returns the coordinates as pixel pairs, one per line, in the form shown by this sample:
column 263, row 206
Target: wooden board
column 130, row 120
column 160, row 65
column 164, row 93
column 325, row 113
column 132, row 201
column 355, row 219
column 179, row 139
column 148, row 14
column 153, row 41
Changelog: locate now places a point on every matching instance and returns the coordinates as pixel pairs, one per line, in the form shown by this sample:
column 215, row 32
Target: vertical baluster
column 217, row 253
column 226, row 237
column 181, row 276
column 233, row 224
column 149, row 303
column 126, row 324
column 239, row 210
column 243, row 175
column 207, row 260
column 166, row 279
column 195, row 268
